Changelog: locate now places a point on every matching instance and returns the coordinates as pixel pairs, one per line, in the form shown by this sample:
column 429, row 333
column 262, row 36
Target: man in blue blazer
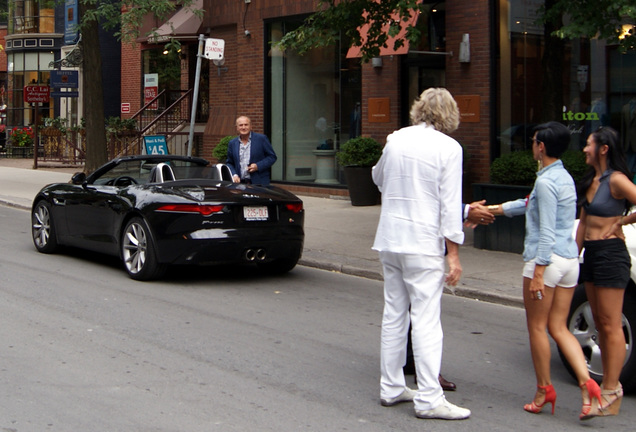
column 250, row 156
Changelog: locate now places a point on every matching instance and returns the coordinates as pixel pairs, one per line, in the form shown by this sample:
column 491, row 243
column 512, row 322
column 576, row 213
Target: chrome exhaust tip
column 261, row 254
column 250, row 255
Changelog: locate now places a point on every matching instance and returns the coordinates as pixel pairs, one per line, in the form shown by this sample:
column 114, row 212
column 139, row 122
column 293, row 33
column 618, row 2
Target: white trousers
column 415, row 282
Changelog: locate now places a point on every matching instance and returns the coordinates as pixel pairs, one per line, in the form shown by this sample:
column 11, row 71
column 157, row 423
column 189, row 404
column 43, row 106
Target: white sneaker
column 445, row 411
column 406, row 396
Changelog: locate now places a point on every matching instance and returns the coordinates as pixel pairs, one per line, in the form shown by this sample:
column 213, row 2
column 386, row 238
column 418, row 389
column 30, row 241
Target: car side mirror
column 78, row 178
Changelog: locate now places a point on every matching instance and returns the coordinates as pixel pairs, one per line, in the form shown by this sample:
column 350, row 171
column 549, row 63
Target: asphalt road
column 84, row 348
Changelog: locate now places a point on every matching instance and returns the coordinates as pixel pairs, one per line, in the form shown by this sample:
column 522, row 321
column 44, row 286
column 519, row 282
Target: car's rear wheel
column 138, row 251
column 581, row 324
column 43, row 229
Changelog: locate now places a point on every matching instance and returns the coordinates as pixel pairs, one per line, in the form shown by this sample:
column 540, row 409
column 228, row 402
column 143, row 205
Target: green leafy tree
column 610, row 20
column 589, row 18
column 383, row 19
column 124, row 18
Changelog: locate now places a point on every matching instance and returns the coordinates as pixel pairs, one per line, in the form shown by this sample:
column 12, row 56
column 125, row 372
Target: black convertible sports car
column 157, row 210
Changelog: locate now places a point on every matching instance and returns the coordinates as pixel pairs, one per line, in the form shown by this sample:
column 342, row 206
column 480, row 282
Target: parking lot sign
column 156, row 145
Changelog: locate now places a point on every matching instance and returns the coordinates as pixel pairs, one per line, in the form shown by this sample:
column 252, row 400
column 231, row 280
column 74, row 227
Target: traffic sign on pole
column 214, row 49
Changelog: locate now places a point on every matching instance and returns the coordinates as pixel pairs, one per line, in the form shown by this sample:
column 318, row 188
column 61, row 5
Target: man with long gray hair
column 420, row 177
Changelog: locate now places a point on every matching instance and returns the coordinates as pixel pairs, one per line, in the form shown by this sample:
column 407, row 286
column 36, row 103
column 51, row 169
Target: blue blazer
column 261, row 153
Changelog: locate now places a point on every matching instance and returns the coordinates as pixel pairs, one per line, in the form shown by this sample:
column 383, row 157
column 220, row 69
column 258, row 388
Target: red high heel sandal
column 593, row 391
column 550, row 397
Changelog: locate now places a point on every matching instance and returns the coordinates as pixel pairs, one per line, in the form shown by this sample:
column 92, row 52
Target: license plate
column 254, row 213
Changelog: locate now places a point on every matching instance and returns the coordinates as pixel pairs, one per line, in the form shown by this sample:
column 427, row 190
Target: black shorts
column 606, row 263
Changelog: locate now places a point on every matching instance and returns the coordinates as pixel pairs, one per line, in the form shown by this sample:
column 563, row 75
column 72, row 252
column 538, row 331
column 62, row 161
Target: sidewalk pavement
column 338, row 237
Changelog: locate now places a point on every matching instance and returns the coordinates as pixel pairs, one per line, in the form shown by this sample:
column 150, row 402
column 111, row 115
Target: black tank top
column 604, row 204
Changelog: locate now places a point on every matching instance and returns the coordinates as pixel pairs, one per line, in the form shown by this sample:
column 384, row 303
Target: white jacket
column 420, row 177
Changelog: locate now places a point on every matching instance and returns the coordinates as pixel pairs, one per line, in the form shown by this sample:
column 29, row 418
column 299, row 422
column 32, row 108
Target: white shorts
column 563, row 272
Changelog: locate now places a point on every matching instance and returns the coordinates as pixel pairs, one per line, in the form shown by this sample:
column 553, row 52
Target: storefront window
column 314, row 106
column 582, row 83
column 28, row 68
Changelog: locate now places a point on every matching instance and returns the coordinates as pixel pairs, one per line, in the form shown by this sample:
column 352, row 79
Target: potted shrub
column 80, row 127
column 121, row 127
column 358, row 156
column 574, row 162
column 54, row 126
column 21, row 140
column 512, row 176
column 220, row 151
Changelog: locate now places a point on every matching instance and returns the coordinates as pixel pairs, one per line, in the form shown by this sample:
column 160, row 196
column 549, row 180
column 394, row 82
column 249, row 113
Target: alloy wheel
column 135, row 245
column 41, row 226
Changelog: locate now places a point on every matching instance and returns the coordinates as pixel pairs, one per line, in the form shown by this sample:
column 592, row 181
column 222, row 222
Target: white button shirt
column 420, row 177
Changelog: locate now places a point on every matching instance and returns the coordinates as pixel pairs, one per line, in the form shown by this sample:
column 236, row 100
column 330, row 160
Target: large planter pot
column 51, row 132
column 505, row 234
column 362, row 190
column 20, row 152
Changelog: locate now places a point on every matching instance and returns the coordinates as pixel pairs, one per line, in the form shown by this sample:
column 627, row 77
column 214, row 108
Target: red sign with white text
column 35, row 93
column 149, row 94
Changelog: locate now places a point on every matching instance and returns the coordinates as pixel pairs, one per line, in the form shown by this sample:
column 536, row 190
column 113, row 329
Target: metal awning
column 354, row 51
column 184, row 24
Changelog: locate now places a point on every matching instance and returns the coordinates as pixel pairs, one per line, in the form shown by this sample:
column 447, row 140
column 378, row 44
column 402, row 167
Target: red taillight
column 295, row 207
column 204, row 210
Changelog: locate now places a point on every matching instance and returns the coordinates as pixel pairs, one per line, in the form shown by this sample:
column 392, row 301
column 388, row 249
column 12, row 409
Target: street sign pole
column 35, row 94
column 35, row 136
column 195, row 96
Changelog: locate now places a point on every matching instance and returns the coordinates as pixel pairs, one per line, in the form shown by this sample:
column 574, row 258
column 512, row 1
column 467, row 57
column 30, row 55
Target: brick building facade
column 498, row 88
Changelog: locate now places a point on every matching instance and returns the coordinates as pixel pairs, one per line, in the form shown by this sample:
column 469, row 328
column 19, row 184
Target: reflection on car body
column 156, row 210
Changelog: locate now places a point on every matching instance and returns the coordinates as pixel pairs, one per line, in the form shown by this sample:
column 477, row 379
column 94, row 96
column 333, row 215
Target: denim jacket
column 550, row 211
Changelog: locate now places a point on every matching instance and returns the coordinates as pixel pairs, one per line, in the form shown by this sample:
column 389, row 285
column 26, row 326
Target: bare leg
column 537, row 313
column 570, row 347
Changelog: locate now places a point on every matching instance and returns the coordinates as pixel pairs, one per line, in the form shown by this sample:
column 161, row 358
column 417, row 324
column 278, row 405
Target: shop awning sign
column 214, row 49
column 36, row 93
column 64, row 79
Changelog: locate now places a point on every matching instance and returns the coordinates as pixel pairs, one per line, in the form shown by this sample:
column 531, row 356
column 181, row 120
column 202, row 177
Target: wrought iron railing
column 167, row 114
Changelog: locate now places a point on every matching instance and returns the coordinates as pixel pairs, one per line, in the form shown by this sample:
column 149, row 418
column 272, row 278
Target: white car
column 581, row 324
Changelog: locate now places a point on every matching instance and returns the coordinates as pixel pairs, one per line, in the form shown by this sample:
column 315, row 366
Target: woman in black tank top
column 606, row 193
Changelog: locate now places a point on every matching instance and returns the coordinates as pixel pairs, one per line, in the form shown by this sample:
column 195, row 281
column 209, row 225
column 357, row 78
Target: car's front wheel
column 581, row 324
column 43, row 229
column 138, row 251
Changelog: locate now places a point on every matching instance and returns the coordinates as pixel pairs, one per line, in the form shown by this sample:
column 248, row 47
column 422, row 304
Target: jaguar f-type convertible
column 155, row 210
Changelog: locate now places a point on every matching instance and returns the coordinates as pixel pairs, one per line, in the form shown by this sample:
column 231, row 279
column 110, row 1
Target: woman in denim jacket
column 552, row 267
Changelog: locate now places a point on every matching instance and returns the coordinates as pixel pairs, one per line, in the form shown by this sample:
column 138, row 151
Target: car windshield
column 142, row 171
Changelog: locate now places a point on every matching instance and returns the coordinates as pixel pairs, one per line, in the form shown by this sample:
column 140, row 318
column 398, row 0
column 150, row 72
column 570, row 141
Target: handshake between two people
column 478, row 214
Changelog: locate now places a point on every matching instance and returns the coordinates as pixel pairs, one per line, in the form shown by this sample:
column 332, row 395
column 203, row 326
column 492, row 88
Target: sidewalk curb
column 462, row 291
column 7, row 203
column 485, row 297
column 361, row 265
column 344, row 269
